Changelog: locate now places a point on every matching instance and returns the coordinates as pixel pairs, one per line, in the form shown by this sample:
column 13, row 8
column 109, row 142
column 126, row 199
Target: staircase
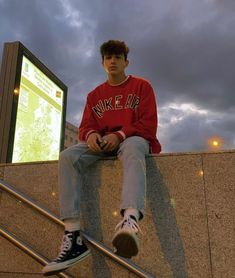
column 188, row 226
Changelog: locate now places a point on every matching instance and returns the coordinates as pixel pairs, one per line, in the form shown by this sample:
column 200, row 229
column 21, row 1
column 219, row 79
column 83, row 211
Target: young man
column 120, row 118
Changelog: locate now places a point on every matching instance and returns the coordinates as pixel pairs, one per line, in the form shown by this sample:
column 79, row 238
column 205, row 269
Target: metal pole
column 124, row 262
column 29, row 250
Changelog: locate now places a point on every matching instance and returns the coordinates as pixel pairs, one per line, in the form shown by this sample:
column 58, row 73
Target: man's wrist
column 120, row 135
column 90, row 132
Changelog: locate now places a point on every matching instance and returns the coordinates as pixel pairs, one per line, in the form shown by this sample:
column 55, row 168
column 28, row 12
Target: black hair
column 114, row 47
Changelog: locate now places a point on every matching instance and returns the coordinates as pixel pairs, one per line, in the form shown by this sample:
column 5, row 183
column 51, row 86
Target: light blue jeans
column 73, row 163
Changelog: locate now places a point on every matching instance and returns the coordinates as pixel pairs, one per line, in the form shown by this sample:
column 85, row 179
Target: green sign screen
column 39, row 116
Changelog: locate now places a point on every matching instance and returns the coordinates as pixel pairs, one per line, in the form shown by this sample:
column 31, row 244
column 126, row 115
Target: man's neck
column 116, row 79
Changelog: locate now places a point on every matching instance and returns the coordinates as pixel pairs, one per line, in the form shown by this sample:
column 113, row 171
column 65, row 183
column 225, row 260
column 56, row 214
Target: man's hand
column 93, row 142
column 110, row 142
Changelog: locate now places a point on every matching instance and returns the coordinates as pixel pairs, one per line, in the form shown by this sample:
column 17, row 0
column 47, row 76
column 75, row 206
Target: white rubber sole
column 54, row 268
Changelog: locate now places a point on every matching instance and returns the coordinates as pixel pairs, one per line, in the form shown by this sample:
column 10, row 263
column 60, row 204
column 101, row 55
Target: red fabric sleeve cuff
column 121, row 135
column 89, row 132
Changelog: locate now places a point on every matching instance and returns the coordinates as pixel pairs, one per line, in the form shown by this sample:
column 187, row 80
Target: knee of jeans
column 66, row 155
column 135, row 145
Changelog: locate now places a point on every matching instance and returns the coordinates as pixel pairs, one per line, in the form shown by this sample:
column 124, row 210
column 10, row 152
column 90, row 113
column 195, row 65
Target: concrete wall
column 188, row 229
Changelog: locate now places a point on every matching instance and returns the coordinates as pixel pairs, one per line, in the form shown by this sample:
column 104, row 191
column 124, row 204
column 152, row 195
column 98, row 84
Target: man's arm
column 88, row 124
column 87, row 130
column 146, row 126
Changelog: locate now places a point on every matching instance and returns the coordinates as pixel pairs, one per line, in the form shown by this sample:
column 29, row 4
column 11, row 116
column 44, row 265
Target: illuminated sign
column 38, row 118
column 38, row 112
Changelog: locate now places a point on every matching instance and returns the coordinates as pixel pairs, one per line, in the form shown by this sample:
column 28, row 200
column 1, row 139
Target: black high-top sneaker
column 125, row 240
column 73, row 250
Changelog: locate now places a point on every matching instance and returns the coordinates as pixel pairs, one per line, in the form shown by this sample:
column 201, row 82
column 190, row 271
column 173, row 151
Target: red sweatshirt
column 128, row 109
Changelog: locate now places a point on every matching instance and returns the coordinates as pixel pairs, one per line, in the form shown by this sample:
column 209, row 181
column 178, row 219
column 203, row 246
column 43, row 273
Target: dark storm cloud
column 198, row 128
column 194, row 65
column 59, row 37
column 185, row 48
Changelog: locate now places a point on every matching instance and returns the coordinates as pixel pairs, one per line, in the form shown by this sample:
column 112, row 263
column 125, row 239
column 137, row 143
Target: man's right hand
column 93, row 142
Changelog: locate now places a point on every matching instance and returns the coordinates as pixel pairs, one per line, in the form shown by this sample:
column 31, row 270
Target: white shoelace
column 66, row 245
column 130, row 224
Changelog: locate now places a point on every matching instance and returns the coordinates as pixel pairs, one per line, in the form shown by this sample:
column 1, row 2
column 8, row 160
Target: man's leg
column 73, row 163
column 132, row 153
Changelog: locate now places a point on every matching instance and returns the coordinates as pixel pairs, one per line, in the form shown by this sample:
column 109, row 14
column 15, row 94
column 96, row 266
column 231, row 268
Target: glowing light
column 53, row 194
column 201, row 173
column 16, row 91
column 215, row 142
column 172, row 202
column 115, row 213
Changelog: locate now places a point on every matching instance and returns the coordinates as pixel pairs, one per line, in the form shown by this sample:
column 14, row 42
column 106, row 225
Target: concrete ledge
column 188, row 226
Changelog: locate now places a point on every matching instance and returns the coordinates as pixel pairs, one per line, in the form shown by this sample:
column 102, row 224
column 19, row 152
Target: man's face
column 115, row 64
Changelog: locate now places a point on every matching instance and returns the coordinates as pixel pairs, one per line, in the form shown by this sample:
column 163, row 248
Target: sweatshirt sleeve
column 146, row 125
column 88, row 124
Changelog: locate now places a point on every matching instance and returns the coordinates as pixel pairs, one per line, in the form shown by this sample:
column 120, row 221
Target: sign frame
column 10, row 77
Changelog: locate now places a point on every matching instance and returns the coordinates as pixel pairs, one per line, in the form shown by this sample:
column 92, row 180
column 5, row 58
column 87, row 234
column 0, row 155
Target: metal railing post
column 101, row 247
column 29, row 250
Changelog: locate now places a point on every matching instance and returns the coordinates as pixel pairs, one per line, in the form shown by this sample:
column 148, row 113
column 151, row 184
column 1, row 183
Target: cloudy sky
column 185, row 48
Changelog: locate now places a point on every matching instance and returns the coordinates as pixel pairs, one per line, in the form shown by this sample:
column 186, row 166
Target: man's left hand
column 110, row 142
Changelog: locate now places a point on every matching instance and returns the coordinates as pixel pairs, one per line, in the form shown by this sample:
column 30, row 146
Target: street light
column 215, row 142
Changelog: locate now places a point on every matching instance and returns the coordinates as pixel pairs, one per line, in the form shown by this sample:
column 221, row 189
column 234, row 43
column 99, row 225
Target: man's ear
column 127, row 63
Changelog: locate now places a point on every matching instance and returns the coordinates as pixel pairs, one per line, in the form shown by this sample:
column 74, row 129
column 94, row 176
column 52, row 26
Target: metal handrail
column 29, row 250
column 101, row 247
